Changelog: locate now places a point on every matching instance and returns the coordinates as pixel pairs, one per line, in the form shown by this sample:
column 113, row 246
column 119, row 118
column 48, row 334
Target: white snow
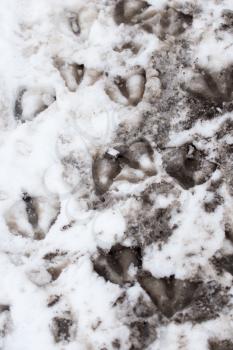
column 49, row 154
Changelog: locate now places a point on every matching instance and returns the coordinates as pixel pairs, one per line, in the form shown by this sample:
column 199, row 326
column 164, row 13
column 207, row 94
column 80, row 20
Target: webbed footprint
column 72, row 73
column 188, row 166
column 104, row 171
column 213, row 86
column 120, row 163
column 170, row 295
column 80, row 22
column 138, row 155
column 127, row 90
column 32, row 216
column 31, row 102
column 127, row 11
column 114, row 265
column 170, row 21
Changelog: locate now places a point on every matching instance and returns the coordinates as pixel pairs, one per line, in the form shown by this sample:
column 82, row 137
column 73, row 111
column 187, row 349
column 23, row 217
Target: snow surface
column 47, row 153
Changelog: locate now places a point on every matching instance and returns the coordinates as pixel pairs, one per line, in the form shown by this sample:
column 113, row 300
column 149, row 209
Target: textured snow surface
column 116, row 182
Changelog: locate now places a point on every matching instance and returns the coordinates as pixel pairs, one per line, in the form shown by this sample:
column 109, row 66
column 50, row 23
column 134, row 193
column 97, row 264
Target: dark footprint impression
column 169, row 21
column 80, row 21
column 188, row 166
column 215, row 87
column 185, row 300
column 127, row 11
column 172, row 21
column 224, row 263
column 114, row 265
column 220, row 345
column 170, row 295
column 132, row 155
column 36, row 214
column 106, row 168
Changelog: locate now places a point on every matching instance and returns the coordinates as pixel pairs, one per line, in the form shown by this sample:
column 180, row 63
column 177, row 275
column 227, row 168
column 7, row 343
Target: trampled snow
column 116, row 177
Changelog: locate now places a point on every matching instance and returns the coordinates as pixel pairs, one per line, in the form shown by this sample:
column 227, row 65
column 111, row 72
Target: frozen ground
column 116, row 182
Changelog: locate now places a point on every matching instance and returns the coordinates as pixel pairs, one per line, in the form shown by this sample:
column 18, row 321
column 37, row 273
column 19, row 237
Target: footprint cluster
column 181, row 300
column 142, row 172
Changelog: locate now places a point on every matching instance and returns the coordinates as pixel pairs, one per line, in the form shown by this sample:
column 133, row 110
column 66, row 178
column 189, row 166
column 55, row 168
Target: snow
column 47, row 152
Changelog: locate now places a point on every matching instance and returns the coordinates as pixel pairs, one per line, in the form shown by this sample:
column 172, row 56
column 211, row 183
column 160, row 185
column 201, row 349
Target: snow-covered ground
column 116, row 182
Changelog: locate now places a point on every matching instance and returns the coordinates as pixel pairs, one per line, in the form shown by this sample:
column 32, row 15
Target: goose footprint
column 114, row 265
column 127, row 90
column 123, row 162
column 32, row 216
column 188, row 166
column 31, row 102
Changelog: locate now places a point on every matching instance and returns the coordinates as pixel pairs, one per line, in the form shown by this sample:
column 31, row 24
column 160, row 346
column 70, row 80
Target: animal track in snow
column 75, row 74
column 128, row 90
column 31, row 102
column 212, row 86
column 114, row 266
column 188, row 166
column 185, row 300
column 104, row 170
column 120, row 163
column 80, row 22
column 50, row 269
column 220, row 345
column 125, row 59
column 127, row 12
column 71, row 73
column 138, row 155
column 170, row 295
column 168, row 21
column 32, row 216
